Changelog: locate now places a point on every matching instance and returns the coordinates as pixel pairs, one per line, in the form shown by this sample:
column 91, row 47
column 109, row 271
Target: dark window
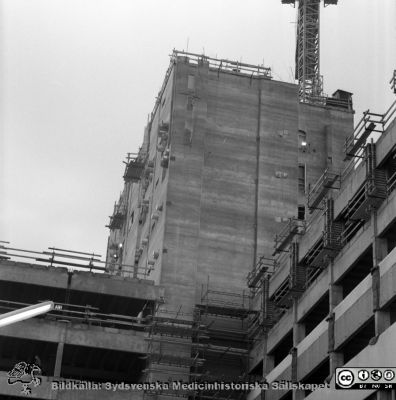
column 301, row 178
column 301, row 212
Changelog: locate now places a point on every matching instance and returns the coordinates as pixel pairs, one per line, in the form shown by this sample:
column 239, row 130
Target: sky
column 78, row 79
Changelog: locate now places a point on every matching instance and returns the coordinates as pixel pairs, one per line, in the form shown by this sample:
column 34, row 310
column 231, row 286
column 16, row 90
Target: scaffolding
column 264, row 267
column 223, row 65
column 135, row 164
column 118, row 217
column 329, row 243
column 262, row 319
column 293, row 227
column 369, row 123
column 219, row 302
column 171, row 331
column 328, row 180
column 373, row 191
column 74, row 260
column 294, row 284
column 163, row 136
column 226, row 344
column 169, row 350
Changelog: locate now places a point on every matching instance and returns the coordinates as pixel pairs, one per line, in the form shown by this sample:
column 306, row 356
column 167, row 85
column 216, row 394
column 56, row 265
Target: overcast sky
column 79, row 77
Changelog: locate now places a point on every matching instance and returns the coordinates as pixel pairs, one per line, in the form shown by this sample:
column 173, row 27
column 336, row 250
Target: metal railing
column 356, row 141
column 391, row 183
column 225, row 65
column 263, row 267
column 329, row 179
column 369, row 123
column 293, row 227
column 220, row 302
column 214, row 63
column 350, row 231
column 82, row 315
column 73, row 260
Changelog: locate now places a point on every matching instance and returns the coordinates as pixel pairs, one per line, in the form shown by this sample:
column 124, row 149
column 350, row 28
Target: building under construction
column 253, row 241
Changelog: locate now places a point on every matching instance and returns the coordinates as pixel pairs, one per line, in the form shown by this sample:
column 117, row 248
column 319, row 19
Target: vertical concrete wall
column 238, row 140
column 278, row 160
column 232, row 179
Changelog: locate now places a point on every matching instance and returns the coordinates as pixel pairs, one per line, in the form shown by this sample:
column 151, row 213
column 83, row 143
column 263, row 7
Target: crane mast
column 307, row 71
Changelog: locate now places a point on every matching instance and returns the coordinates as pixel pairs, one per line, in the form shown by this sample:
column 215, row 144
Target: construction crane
column 307, row 73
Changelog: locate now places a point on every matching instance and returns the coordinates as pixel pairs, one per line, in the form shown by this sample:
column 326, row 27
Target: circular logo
column 345, row 378
column 376, row 374
column 389, row 374
column 363, row 375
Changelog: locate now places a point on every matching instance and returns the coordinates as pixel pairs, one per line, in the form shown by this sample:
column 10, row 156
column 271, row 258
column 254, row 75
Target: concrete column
column 336, row 295
column 59, row 353
column 298, row 328
column 298, row 335
column 268, row 361
column 58, row 361
column 336, row 360
column 382, row 321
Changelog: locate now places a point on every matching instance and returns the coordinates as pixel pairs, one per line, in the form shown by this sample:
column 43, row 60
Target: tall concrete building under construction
column 253, row 241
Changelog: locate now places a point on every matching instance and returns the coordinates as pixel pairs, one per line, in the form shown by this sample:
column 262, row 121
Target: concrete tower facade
column 227, row 158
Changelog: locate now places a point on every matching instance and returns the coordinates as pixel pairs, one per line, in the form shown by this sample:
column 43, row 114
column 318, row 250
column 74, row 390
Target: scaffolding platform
column 370, row 122
column 325, row 248
column 373, row 191
column 224, row 310
column 294, row 284
column 263, row 267
column 118, row 217
column 293, row 227
column 176, row 328
column 134, row 169
column 222, row 303
column 262, row 320
column 330, row 242
column 168, row 359
column 355, row 142
column 328, row 180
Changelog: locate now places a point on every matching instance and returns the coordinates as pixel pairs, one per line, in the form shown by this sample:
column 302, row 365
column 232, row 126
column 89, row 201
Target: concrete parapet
column 78, row 334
